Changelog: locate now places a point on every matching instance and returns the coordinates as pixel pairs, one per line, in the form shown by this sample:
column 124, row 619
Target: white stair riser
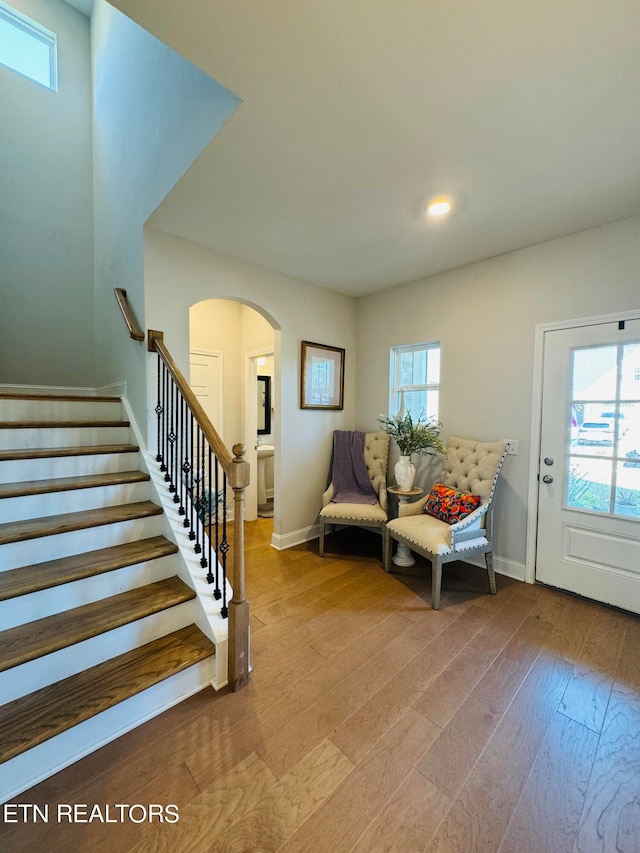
column 26, row 770
column 73, row 500
column 23, row 438
column 46, row 602
column 31, row 551
column 12, row 409
column 31, row 676
column 28, row 470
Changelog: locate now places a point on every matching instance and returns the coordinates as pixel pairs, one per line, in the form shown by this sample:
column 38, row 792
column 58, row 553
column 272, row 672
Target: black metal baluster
column 159, row 414
column 165, row 430
column 182, row 460
column 177, row 462
column 216, row 592
column 186, row 468
column 205, row 500
column 192, row 482
column 224, row 548
column 210, row 508
column 197, row 480
column 169, row 421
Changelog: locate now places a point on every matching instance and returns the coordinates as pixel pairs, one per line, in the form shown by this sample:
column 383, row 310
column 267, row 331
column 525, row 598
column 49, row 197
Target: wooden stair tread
column 59, row 424
column 34, row 528
column 33, row 719
column 35, row 639
column 68, row 484
column 55, row 452
column 28, row 579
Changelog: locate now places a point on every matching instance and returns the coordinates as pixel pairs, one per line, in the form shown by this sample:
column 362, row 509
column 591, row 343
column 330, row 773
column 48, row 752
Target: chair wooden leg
column 492, row 576
column 386, row 549
column 436, row 583
column 321, row 539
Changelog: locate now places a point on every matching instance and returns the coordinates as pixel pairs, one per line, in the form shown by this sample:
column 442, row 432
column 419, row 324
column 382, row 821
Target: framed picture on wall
column 321, row 376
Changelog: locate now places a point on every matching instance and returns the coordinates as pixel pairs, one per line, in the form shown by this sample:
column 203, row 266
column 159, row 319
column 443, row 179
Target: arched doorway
column 228, row 340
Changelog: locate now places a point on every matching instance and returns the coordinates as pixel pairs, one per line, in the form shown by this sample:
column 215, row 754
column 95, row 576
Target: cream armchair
column 472, row 467
column 376, row 455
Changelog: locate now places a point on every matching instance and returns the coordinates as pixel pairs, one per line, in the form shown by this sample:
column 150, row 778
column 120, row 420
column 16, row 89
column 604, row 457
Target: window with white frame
column 27, row 47
column 415, row 380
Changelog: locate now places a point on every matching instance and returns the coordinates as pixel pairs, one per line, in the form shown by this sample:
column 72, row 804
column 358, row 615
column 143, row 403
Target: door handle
column 547, row 479
column 548, row 460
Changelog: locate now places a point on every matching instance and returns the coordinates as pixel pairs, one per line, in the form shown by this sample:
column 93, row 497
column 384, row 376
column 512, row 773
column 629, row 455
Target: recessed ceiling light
column 438, row 207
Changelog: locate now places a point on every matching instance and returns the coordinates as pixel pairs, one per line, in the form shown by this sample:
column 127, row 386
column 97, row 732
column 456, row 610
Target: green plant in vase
column 419, row 436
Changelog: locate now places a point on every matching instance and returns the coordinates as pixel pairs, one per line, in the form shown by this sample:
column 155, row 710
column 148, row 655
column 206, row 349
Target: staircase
column 97, row 624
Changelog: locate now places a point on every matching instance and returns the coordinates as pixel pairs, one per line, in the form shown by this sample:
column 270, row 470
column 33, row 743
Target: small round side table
column 403, row 557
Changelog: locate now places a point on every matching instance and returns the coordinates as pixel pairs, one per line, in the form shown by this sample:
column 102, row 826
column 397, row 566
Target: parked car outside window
column 596, row 432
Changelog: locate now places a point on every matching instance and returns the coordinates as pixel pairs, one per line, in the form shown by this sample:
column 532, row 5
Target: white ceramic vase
column 405, row 472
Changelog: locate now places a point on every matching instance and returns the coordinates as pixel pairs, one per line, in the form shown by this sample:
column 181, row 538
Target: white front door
column 589, row 471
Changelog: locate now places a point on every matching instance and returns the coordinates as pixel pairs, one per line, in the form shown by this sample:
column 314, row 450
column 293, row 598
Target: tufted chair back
column 376, row 456
column 473, row 466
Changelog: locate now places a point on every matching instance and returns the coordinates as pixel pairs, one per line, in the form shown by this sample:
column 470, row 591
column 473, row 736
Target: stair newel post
column 239, row 606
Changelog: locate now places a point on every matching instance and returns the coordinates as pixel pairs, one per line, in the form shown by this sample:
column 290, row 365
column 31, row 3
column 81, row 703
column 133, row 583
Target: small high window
column 415, row 376
column 27, row 47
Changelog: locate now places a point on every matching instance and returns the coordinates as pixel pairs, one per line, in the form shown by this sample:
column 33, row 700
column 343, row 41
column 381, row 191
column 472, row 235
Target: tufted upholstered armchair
column 469, row 466
column 376, row 455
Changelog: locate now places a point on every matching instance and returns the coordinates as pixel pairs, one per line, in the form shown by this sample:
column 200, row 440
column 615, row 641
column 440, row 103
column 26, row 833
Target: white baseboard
column 115, row 389
column 509, row 568
column 281, row 542
column 48, row 389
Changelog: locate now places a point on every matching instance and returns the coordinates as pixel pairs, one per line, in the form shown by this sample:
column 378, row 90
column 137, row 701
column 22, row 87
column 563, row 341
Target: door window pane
column 604, row 430
column 595, row 373
column 630, row 381
column 589, row 484
column 628, row 488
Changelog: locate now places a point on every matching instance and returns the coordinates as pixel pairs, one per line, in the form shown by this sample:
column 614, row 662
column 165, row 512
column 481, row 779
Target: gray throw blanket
column 351, row 481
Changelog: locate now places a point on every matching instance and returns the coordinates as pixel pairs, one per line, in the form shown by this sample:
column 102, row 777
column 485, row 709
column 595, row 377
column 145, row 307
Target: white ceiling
column 525, row 112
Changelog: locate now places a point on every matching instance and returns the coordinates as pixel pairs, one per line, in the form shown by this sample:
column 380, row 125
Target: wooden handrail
column 135, row 331
column 237, row 471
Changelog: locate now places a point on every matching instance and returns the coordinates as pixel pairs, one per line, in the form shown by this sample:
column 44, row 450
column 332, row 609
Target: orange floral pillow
column 449, row 505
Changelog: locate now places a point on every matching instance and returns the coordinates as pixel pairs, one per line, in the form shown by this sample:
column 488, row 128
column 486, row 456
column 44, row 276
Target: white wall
column 154, row 112
column 300, row 312
column 46, row 231
column 485, row 316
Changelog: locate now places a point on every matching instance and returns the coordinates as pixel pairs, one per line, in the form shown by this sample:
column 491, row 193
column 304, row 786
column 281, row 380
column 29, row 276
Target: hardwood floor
column 507, row 724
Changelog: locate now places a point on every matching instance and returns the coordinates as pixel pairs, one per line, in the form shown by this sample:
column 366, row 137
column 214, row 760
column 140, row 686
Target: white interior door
column 589, row 489
column 205, row 379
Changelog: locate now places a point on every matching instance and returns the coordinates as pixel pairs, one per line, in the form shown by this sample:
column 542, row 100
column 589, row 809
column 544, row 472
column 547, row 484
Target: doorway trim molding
column 536, row 421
